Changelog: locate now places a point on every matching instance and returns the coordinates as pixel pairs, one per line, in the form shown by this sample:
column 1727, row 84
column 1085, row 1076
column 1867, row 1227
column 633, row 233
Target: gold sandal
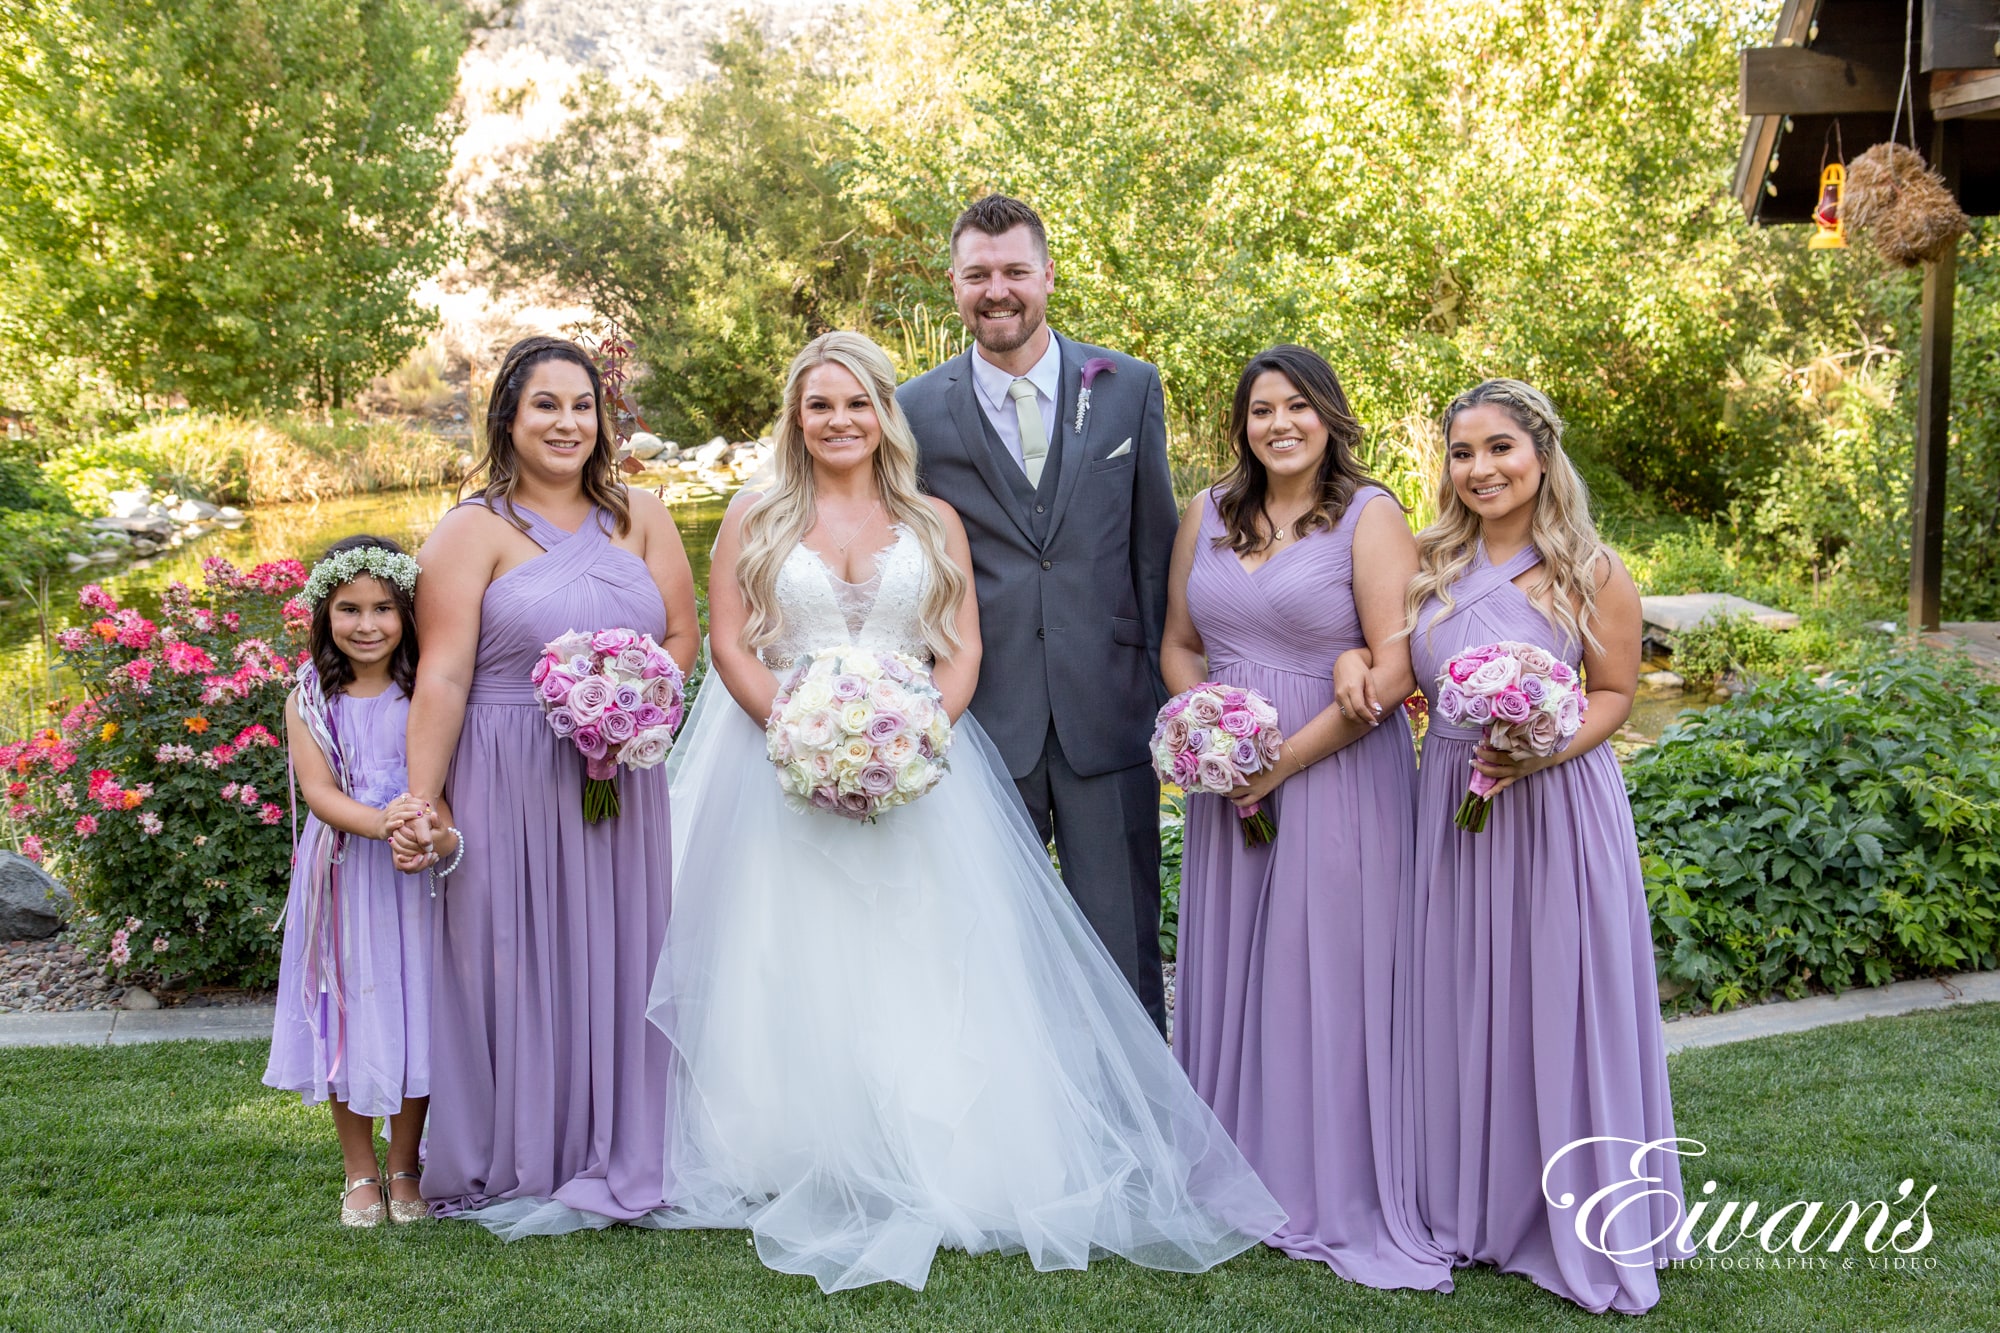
column 371, row 1216
column 407, row 1210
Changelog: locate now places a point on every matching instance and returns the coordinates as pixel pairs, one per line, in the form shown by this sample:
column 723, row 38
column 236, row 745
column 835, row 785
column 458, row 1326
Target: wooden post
column 1927, row 494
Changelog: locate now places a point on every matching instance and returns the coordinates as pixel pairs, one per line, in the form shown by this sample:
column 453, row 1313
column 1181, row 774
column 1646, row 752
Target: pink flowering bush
column 157, row 798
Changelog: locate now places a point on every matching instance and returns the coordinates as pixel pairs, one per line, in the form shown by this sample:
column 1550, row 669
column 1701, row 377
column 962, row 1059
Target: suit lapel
column 970, row 420
column 1076, row 455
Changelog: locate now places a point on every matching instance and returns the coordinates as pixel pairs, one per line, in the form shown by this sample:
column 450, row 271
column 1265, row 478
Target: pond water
column 274, row 532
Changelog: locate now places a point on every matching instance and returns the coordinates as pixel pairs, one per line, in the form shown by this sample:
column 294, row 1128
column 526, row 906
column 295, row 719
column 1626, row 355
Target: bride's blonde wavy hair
column 1561, row 529
column 784, row 514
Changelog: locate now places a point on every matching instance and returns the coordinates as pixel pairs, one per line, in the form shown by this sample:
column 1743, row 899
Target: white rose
column 912, row 777
column 854, row 717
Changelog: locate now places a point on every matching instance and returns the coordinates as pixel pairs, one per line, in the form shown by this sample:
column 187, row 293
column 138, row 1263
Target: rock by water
column 31, row 903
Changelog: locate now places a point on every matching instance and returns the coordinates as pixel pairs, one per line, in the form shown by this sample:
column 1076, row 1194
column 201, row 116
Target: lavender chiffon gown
column 1282, row 1016
column 369, row 1046
column 1533, row 1002
column 548, row 1085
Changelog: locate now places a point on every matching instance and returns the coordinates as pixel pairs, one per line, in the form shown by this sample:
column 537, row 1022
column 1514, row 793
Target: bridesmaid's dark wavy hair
column 499, row 464
column 1240, row 497
column 336, row 673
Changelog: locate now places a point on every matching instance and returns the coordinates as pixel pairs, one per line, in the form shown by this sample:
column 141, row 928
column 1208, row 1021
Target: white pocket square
column 1121, row 450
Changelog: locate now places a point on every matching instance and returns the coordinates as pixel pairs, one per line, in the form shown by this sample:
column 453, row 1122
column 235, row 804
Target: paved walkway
column 252, row 1021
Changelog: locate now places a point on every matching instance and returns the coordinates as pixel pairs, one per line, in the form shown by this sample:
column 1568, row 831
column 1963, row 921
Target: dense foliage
column 1826, row 833
column 1429, row 193
column 230, row 200
column 160, row 799
column 38, row 526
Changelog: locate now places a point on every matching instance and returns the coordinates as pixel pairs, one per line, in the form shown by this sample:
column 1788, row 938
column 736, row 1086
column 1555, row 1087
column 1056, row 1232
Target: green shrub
column 1722, row 644
column 1826, row 834
column 1684, row 562
column 1173, row 823
column 160, row 799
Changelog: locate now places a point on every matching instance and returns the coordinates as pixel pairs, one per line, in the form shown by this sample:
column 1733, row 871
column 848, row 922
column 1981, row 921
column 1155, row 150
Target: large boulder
column 647, row 447
column 712, row 453
column 131, row 504
column 31, row 903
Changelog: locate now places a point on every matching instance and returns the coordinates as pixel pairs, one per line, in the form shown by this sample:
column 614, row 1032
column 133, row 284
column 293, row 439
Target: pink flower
column 1186, row 769
column 631, row 660
column 1543, row 733
column 847, row 688
column 248, row 795
column 1451, row 700
column 271, row 813
column 1492, row 676
column 1511, row 705
column 229, row 792
column 648, row 716
column 613, row 640
column 664, row 691
column 648, row 748
column 1214, row 775
column 1562, row 674
column 150, row 822
column 1175, row 706
column 589, row 740
column 617, row 725
column 159, row 944
column 883, row 726
column 93, row 596
column 556, row 685
column 86, row 825
column 1238, row 722
column 626, row 696
column 73, row 640
column 1569, row 714
column 543, row 665
column 184, row 659
column 588, row 698
column 121, row 952
column 1478, row 709
column 562, row 722
column 31, row 847
column 1204, row 709
column 1535, row 661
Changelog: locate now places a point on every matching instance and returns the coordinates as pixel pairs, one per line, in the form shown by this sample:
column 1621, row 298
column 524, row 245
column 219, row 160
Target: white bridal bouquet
column 856, row 733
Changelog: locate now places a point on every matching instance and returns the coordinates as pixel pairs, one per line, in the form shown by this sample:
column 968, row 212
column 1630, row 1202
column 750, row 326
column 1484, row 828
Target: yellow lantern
column 1829, row 228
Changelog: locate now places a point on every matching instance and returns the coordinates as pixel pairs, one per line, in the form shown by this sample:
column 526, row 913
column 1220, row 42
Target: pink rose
column 1174, row 706
column 1269, row 742
column 631, row 661
column 1186, row 770
column 1205, row 709
column 1562, row 674
column 1478, row 709
column 1569, row 714
column 618, row 726
column 1238, row 722
column 1460, row 669
column 1489, row 678
column 1175, row 733
column 589, row 698
column 589, row 741
column 882, row 727
column 648, row 749
column 878, row 780
column 626, row 696
column 613, row 640
column 856, row 806
column 1544, row 733
column 1536, row 688
column 556, row 685
column 1245, row 755
column 1511, row 705
column 662, row 691
column 1215, row 775
column 847, row 688
column 543, row 665
column 649, row 715
column 1451, row 701
column 562, row 722
column 1534, row 660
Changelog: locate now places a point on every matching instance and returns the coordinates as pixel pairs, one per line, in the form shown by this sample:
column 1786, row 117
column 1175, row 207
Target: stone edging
column 251, row 1021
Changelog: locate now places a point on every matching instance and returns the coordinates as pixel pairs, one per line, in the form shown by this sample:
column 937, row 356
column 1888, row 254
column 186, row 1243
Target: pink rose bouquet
column 855, row 733
column 617, row 697
column 1214, row 738
column 1528, row 701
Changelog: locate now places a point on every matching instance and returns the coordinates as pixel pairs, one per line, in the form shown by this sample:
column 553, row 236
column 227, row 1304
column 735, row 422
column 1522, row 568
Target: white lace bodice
column 820, row 609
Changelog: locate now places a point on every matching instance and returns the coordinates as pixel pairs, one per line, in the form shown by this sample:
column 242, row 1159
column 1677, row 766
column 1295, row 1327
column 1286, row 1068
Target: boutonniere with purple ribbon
column 1092, row 368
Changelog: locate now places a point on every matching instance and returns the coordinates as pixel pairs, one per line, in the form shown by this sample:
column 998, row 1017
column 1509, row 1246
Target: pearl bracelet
column 439, row 872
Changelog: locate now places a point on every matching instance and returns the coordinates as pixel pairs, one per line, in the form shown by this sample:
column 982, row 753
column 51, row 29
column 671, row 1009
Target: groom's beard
column 1003, row 339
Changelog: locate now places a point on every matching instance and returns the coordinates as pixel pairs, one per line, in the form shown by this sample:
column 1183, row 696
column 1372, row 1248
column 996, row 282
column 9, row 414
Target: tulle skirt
column 898, row 1036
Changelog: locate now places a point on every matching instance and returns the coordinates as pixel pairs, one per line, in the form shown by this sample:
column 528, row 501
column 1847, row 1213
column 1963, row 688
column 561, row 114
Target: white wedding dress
column 897, row 1036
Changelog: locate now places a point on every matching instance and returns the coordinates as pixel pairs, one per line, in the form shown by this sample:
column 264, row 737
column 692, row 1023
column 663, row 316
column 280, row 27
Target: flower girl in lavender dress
column 353, row 1023
column 1537, row 1122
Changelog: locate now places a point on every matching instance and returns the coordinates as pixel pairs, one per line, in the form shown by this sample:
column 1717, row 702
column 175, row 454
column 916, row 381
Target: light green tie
column 1034, row 440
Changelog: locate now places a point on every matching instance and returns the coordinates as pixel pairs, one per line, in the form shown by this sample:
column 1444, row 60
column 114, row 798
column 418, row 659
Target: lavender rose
column 590, row 697
column 1186, row 769
column 877, row 780
column 848, row 688
column 1478, row 709
column 627, row 697
column 562, row 722
column 1245, row 755
column 1238, row 722
column 590, row 741
column 557, row 685
column 618, row 726
column 883, row 726
column 1511, row 705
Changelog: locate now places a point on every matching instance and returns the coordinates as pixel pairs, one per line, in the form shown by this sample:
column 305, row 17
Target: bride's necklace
column 866, row 519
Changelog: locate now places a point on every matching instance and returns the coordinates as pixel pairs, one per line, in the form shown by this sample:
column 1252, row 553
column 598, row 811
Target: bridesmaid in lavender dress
column 548, row 1086
column 1533, row 1006
column 1282, row 1016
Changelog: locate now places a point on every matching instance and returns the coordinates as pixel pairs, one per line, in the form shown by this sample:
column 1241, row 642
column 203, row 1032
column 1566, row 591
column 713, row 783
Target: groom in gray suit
column 1054, row 453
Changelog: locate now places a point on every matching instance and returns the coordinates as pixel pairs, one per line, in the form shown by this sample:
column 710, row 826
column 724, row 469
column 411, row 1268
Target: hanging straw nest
column 1904, row 206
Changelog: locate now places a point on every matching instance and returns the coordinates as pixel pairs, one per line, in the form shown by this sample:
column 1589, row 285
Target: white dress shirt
column 992, row 384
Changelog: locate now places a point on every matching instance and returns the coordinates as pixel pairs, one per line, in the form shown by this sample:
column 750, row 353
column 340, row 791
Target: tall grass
column 234, row 460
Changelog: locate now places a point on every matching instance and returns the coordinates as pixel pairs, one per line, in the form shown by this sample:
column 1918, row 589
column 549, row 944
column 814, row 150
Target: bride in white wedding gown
column 903, row 1035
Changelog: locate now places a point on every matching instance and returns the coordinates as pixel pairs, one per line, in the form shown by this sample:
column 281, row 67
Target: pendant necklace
column 865, row 520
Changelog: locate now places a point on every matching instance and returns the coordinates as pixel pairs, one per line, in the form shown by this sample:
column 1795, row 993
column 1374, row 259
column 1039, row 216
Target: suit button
column 1048, row 564
column 1041, row 634
column 1041, row 509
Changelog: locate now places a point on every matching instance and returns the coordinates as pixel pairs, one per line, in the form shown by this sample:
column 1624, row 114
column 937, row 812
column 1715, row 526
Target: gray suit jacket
column 1072, row 581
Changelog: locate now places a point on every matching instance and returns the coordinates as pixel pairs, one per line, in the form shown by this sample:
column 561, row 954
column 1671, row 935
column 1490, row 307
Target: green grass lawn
column 161, row 1187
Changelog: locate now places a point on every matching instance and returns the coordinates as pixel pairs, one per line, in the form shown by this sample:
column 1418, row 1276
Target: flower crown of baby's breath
column 343, row 567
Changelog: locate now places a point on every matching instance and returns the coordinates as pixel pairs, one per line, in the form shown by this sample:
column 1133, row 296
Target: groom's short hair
column 996, row 215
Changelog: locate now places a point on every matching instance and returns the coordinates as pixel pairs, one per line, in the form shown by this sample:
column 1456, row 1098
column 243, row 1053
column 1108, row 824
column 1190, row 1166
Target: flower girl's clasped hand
column 415, row 844
column 403, row 810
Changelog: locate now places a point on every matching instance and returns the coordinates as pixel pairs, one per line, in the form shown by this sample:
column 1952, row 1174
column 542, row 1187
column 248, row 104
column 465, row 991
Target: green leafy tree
column 230, row 200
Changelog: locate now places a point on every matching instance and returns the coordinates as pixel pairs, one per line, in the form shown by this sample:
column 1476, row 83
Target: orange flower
column 105, row 630
column 132, row 799
column 197, row 724
column 109, row 730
